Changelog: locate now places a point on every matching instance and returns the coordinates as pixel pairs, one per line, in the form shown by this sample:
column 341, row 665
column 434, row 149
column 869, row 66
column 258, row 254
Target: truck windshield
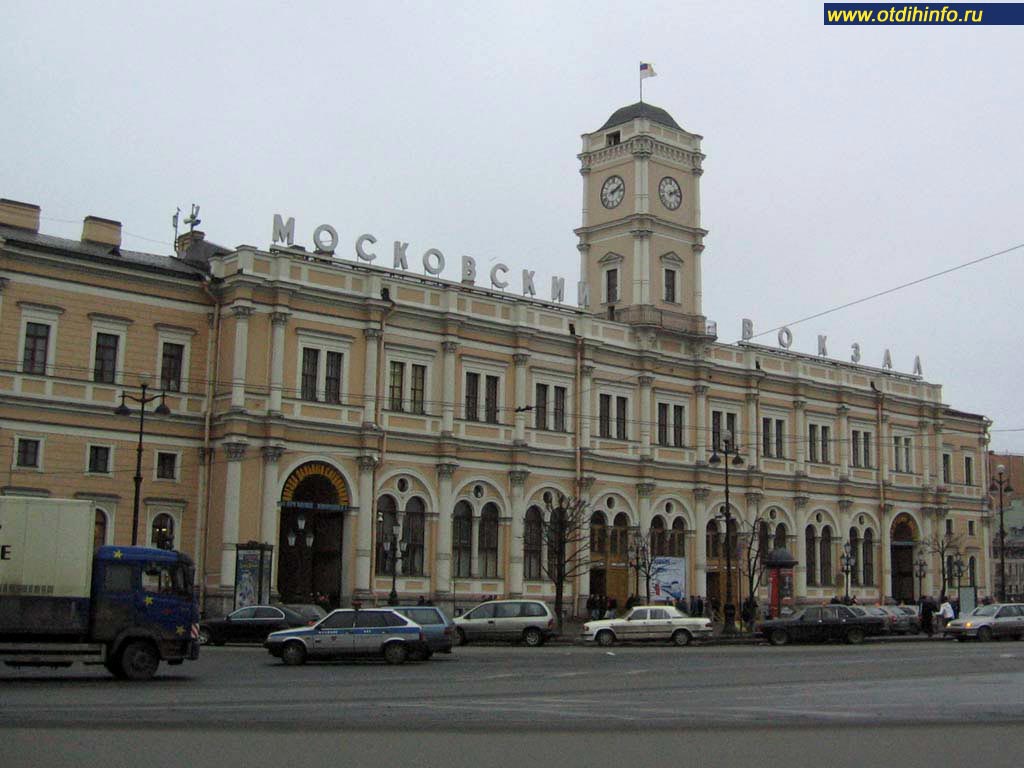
column 166, row 579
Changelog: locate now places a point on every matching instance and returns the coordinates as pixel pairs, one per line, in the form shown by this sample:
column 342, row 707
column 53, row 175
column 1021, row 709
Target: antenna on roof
column 193, row 219
column 174, row 223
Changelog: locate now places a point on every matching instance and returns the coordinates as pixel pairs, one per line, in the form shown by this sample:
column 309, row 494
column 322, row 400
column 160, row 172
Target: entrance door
column 902, row 573
column 714, row 591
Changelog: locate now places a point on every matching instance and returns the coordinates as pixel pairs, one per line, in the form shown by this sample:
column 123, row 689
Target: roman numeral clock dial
column 670, row 193
column 612, row 191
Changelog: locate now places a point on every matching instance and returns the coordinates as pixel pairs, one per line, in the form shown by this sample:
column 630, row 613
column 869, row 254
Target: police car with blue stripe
column 351, row 632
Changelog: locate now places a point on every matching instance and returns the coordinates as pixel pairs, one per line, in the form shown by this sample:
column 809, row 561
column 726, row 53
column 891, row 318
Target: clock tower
column 640, row 241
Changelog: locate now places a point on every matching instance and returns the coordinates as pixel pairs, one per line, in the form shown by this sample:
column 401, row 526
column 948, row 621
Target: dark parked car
column 437, row 627
column 308, row 611
column 821, row 624
column 250, row 625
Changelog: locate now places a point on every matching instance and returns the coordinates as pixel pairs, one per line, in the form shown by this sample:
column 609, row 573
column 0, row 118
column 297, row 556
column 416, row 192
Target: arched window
column 598, row 535
column 556, row 537
column 99, row 535
column 462, row 540
column 677, row 539
column 413, row 535
column 826, row 556
column 533, row 538
column 387, row 518
column 811, row 547
column 868, row 558
column 972, row 571
column 780, row 536
column 489, row 541
column 620, row 537
column 714, row 538
column 854, row 553
column 763, row 540
column 657, row 536
column 163, row 531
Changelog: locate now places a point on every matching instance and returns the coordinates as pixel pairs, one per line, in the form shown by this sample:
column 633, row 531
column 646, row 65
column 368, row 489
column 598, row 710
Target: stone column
column 700, row 557
column 448, row 348
column 800, row 572
column 885, row 583
column 586, row 404
column 646, row 382
column 701, row 393
column 521, row 400
column 843, row 412
column 278, row 322
column 446, row 498
column 474, row 545
column 517, row 482
column 232, row 497
column 372, row 336
column 270, row 518
column 924, row 428
column 644, row 491
column 885, row 452
column 937, row 458
column 697, row 249
column 238, row 372
column 801, row 436
column 365, row 525
column 751, row 446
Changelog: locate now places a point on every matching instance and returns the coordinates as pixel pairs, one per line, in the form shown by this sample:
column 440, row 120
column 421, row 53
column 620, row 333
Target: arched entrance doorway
column 902, row 537
column 313, row 503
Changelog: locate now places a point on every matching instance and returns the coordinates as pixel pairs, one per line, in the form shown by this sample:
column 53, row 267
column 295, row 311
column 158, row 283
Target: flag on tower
column 647, row 70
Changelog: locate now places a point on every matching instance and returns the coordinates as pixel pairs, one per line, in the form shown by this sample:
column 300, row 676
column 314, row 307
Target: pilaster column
column 370, row 366
column 278, row 323
column 800, row 572
column 232, row 495
column 936, row 457
column 751, row 444
column 474, row 545
column 698, row 295
column 885, row 584
column 924, row 429
column 644, row 492
column 517, row 482
column 701, row 393
column 270, row 519
column 443, row 577
column 365, row 524
column 448, row 349
column 241, row 313
column 843, row 412
column 886, row 458
column 801, row 436
column 586, row 404
column 521, row 360
column 700, row 537
column 646, row 382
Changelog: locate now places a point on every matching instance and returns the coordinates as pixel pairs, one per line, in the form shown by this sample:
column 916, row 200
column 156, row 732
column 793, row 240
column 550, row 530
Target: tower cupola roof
column 640, row 109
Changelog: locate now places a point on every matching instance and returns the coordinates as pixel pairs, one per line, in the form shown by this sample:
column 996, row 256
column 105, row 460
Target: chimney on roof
column 187, row 240
column 20, row 215
column 102, row 231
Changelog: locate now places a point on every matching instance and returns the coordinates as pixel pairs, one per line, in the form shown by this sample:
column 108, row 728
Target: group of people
column 935, row 616
column 603, row 607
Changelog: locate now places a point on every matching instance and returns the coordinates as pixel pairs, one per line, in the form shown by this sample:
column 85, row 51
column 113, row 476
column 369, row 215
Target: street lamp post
column 1001, row 485
column 393, row 547
column 846, row 560
column 920, row 569
column 123, row 410
column 728, row 449
column 958, row 569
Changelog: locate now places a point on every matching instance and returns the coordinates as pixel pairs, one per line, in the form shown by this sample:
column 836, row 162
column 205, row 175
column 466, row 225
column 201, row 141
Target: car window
column 243, row 613
column 507, row 610
column 307, row 612
column 907, row 611
column 370, row 619
column 1007, row 612
column 984, row 610
column 659, row 613
column 339, row 620
column 638, row 615
column 118, row 577
column 423, row 616
column 845, row 613
column 857, row 611
column 812, row 614
column 534, row 609
column 268, row 613
column 482, row 612
column 393, row 620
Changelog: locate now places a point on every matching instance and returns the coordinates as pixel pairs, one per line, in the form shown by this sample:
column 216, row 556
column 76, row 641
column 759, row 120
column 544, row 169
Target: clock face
column 670, row 193
column 612, row 191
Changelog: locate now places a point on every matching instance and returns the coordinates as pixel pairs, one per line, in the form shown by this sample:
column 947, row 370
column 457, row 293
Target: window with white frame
column 723, row 421
column 819, row 442
column 621, row 417
column 611, row 278
column 560, row 423
column 109, row 337
column 28, row 453
column 471, row 397
column 860, row 448
column 540, row 406
column 174, row 347
column 604, row 419
column 968, row 470
column 671, row 424
column 99, row 459
column 550, row 402
column 38, row 343
column 947, row 469
column 408, row 380
column 322, row 374
column 483, row 390
column 167, row 465
column 902, row 454
column 773, row 437
column 671, row 276
column 163, row 528
column 671, row 271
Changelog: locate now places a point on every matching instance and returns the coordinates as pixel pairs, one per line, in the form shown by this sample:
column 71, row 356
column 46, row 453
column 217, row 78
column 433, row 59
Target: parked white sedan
column 647, row 622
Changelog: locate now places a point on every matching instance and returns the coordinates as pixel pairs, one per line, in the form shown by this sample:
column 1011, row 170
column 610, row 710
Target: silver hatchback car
column 530, row 621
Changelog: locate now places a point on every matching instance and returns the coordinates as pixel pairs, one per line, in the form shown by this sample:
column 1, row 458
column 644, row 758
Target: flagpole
column 641, row 87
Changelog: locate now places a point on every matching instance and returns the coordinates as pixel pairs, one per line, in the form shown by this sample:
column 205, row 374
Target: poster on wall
column 252, row 574
column 668, row 579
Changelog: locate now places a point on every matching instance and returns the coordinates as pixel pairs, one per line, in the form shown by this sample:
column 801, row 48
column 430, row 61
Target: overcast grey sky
column 841, row 160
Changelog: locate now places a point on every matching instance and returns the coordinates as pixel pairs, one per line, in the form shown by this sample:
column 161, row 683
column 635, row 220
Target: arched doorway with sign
column 313, row 503
column 903, row 535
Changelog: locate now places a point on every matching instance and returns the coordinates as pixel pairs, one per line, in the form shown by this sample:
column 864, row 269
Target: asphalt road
column 932, row 702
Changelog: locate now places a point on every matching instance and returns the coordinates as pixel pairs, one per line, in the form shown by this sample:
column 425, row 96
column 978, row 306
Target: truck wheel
column 605, row 638
column 778, row 637
column 395, row 653
column 114, row 667
column 139, row 660
column 294, row 654
column 681, row 637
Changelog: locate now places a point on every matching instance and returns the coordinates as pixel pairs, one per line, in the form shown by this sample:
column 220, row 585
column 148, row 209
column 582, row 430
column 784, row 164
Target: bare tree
column 566, row 536
column 755, row 545
column 642, row 559
column 943, row 544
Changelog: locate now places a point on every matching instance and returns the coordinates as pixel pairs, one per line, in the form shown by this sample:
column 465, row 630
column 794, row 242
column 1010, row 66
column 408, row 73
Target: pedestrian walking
column 946, row 611
column 927, row 615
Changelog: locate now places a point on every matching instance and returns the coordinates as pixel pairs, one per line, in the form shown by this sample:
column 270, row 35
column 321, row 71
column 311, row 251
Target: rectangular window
column 491, row 399
column 310, row 372
column 970, row 527
column 812, row 442
column 170, row 366
column 947, row 469
column 540, row 407
column 620, row 417
column 670, row 286
column 418, row 388
column 826, row 442
column 780, row 434
column 662, row 423
column 866, row 436
column 611, row 278
column 949, row 527
column 99, row 459
column 472, row 397
column 396, row 386
column 604, row 420
column 678, row 414
column 560, row 409
column 37, row 341
column 166, row 466
column 28, row 453
column 332, row 381
column 855, row 453
column 766, row 437
column 968, row 470
column 907, row 464
column 105, row 367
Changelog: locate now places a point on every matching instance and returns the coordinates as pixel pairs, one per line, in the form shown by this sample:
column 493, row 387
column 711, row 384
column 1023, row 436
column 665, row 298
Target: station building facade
column 334, row 409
